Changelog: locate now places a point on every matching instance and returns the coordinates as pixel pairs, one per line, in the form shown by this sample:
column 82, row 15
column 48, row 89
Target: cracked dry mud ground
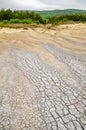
column 43, row 78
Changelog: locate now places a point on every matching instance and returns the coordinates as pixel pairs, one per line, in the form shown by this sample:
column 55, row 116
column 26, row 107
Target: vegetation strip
column 29, row 17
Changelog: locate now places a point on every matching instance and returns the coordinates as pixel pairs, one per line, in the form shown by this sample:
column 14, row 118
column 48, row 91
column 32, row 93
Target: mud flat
column 43, row 78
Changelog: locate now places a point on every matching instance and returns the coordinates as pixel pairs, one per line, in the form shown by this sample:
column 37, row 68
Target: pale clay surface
column 43, row 78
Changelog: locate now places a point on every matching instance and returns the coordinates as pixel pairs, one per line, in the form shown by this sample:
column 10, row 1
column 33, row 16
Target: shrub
column 14, row 21
column 5, row 21
column 65, row 19
column 36, row 21
column 27, row 21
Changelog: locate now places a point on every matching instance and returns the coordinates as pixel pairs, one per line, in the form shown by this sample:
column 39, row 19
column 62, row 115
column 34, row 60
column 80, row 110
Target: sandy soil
column 43, row 78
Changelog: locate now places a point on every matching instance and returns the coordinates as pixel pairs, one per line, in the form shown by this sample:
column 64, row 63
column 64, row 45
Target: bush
column 65, row 19
column 14, row 21
column 27, row 21
column 5, row 21
column 24, row 21
column 36, row 21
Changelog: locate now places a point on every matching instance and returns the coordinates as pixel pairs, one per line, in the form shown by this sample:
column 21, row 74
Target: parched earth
column 43, row 78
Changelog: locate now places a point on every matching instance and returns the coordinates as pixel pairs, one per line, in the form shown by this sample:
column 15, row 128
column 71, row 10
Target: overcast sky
column 43, row 4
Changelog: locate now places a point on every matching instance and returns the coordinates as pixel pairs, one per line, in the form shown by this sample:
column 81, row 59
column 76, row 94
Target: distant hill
column 48, row 13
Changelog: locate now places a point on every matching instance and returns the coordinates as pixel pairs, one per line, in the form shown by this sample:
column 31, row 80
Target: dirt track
column 43, row 78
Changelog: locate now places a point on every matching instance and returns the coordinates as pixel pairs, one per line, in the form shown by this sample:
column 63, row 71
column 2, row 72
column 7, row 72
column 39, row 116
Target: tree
column 8, row 14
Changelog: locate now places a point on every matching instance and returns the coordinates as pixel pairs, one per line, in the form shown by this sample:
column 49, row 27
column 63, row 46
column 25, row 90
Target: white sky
column 43, row 4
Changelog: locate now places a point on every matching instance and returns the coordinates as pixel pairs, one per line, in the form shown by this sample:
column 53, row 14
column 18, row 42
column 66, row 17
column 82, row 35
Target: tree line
column 16, row 16
column 67, row 17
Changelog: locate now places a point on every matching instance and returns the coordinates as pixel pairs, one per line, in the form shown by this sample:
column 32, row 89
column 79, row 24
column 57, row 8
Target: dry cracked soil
column 43, row 78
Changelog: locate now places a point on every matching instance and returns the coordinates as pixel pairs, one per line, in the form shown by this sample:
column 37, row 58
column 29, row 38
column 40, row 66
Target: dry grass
column 16, row 26
column 34, row 25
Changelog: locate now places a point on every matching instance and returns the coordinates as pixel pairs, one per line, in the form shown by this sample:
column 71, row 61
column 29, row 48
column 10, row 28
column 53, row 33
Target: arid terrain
column 43, row 78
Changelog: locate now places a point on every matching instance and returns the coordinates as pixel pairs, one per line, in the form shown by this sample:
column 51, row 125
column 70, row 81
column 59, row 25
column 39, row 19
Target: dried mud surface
column 43, row 78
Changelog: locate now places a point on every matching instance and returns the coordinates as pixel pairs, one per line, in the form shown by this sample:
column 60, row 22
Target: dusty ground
column 43, row 78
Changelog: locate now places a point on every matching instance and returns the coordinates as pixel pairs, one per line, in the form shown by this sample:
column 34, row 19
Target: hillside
column 48, row 13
